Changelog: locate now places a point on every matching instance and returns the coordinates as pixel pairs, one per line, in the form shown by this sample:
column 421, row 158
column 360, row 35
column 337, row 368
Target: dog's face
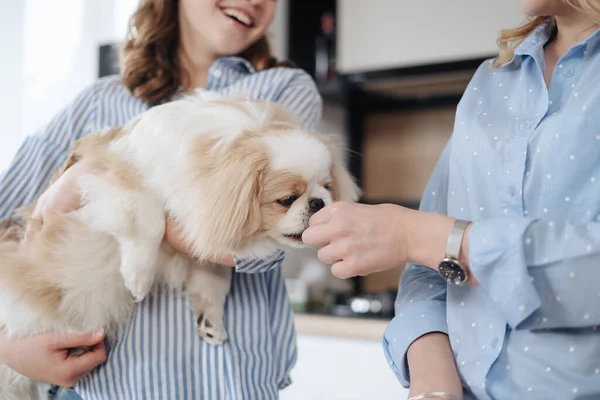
column 260, row 177
column 297, row 183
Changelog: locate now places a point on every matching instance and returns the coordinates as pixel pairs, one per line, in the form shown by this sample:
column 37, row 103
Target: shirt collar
column 538, row 38
column 239, row 64
column 235, row 62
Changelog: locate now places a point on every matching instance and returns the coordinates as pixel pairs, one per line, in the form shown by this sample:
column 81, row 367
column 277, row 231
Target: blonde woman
column 515, row 205
column 174, row 46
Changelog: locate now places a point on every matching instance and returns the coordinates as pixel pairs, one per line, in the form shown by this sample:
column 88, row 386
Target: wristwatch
column 450, row 268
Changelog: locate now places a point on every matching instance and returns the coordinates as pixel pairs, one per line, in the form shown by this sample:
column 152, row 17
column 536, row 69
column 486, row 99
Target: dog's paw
column 213, row 332
column 139, row 285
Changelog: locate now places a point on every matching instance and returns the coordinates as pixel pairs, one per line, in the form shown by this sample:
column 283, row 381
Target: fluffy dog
column 240, row 178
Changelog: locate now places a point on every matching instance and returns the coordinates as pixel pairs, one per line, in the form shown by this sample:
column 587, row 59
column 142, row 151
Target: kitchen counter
column 351, row 328
column 341, row 358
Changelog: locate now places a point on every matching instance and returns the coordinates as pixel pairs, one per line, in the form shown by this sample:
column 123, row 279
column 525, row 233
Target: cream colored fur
column 225, row 169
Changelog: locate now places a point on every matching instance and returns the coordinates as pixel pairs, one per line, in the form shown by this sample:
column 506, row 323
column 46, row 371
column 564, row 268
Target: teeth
column 243, row 18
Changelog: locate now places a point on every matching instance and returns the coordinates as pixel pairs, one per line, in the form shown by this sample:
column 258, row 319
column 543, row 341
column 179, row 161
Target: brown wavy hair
column 509, row 39
column 152, row 69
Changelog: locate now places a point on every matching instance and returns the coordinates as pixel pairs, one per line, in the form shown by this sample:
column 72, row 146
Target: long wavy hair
column 152, row 69
column 509, row 39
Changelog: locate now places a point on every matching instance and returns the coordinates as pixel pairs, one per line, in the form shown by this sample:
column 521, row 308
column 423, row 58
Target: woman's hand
column 173, row 238
column 61, row 197
column 360, row 239
column 45, row 357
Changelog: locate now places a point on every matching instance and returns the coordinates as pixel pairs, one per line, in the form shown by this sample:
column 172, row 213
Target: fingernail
column 98, row 334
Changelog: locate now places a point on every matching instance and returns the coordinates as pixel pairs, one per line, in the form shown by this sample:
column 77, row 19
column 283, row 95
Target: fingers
column 331, row 253
column 76, row 367
column 326, row 225
column 87, row 361
column 226, row 261
column 322, row 216
column 343, row 270
column 34, row 225
column 67, row 340
column 318, row 235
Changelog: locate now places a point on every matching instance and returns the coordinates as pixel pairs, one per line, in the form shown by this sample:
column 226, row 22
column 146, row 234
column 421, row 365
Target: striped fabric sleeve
column 302, row 98
column 42, row 154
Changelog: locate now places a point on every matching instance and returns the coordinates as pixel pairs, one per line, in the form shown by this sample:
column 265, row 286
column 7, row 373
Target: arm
column 541, row 274
column 415, row 342
column 42, row 154
column 432, row 366
column 45, row 357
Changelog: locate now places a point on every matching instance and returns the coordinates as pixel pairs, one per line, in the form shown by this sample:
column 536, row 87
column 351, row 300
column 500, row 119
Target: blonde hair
column 152, row 69
column 510, row 38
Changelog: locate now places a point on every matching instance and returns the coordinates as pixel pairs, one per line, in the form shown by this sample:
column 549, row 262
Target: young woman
column 522, row 169
column 174, row 47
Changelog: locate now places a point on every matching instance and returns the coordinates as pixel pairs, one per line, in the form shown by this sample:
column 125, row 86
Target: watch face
column 452, row 272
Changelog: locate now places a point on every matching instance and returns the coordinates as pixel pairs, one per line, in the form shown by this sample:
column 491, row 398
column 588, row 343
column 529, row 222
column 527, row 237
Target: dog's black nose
column 315, row 204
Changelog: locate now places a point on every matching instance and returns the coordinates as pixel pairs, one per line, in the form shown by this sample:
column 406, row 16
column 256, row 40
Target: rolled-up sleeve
column 540, row 273
column 420, row 306
column 420, row 309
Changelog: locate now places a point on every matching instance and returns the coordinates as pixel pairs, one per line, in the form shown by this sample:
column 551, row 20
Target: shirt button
column 568, row 72
column 217, row 73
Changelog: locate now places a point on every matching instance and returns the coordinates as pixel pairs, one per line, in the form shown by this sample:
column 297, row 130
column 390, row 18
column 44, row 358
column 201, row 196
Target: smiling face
column 226, row 27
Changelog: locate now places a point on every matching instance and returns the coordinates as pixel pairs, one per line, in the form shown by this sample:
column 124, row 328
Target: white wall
column 50, row 54
column 278, row 32
column 379, row 34
column 11, row 82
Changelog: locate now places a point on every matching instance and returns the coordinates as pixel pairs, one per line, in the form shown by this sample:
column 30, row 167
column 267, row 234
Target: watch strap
column 456, row 237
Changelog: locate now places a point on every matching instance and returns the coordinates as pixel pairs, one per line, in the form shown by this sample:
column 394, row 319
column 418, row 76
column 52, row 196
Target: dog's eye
column 288, row 201
column 327, row 186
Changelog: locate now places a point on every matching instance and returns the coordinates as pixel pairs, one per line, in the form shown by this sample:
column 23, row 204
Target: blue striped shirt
column 159, row 356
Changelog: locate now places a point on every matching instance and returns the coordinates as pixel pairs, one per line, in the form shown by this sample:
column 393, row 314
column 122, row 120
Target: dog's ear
column 343, row 184
column 232, row 207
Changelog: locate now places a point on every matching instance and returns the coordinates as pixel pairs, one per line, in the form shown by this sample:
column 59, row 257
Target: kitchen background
column 391, row 73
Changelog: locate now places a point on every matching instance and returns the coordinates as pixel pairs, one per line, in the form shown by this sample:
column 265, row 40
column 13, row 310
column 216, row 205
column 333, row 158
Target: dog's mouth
column 293, row 236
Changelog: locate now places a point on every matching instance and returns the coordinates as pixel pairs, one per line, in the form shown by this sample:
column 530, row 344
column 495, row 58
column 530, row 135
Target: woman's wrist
column 432, row 366
column 429, row 237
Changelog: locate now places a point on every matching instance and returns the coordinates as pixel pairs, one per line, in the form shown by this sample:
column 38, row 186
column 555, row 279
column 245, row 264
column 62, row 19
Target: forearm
column 432, row 367
column 429, row 237
column 540, row 273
